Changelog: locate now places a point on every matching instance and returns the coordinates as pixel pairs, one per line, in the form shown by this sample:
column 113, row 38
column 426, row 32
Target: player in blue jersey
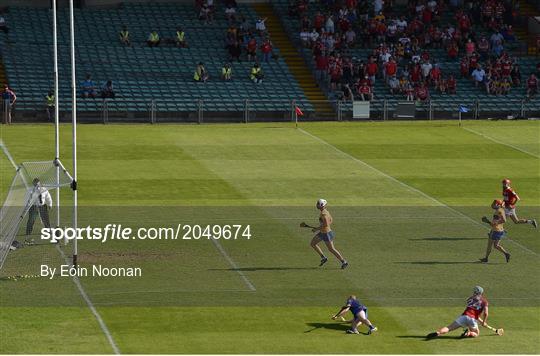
column 360, row 315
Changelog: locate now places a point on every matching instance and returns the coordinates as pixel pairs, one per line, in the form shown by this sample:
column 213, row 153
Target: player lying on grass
column 510, row 200
column 497, row 230
column 477, row 305
column 360, row 315
column 325, row 233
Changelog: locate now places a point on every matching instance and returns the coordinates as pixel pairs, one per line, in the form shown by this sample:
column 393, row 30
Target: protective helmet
column 478, row 290
column 497, row 203
column 321, row 203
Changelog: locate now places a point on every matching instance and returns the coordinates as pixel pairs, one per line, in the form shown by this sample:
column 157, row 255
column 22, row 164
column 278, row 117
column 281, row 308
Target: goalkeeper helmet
column 478, row 290
column 321, row 203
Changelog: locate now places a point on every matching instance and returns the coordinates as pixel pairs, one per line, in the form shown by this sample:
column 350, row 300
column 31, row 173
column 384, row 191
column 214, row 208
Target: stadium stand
column 302, row 15
column 140, row 73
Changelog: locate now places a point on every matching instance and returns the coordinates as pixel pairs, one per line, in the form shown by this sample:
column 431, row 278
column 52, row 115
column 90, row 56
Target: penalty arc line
column 500, row 142
column 405, row 185
column 233, row 264
column 92, row 308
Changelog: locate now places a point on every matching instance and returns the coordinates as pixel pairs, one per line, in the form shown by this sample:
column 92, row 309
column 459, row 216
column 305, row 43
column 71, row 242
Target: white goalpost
column 30, row 177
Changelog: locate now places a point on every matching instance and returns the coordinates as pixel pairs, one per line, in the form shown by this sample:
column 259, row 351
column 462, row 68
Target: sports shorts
column 510, row 211
column 496, row 235
column 467, row 321
column 326, row 236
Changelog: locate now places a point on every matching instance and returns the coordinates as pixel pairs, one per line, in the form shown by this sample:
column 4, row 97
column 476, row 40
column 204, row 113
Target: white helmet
column 478, row 290
column 321, row 203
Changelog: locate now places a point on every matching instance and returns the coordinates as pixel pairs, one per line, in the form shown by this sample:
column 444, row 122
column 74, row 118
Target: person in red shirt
column 532, row 86
column 451, row 85
column 365, row 92
column 266, row 49
column 390, row 68
column 435, row 75
column 422, row 93
column 318, row 21
column 371, row 70
column 452, row 51
column 510, row 200
column 477, row 304
column 252, row 49
column 464, row 67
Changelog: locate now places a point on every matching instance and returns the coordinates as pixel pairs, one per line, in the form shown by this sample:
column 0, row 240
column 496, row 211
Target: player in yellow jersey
column 325, row 233
column 497, row 230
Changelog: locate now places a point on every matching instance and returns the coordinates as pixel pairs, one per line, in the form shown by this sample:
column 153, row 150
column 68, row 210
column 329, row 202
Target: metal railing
column 255, row 110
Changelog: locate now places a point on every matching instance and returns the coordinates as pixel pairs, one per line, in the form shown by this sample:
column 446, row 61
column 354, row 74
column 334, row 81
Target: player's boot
column 507, row 256
column 323, row 261
column 483, row 260
column 353, row 331
column 372, row 329
column 533, row 222
column 344, row 264
column 465, row 333
column 431, row 335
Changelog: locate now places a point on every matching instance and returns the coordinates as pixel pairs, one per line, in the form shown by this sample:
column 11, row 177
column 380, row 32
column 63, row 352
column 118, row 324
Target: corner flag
column 298, row 111
column 463, row 108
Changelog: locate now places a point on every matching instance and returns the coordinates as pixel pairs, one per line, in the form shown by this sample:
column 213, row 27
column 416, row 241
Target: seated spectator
column 205, row 14
column 153, row 39
column 422, row 93
column 497, row 49
column 515, row 74
column 256, row 74
column 453, row 51
column 124, row 36
column 181, row 38
column 88, row 88
column 409, row 92
column 107, row 91
column 347, row 94
column 505, row 87
column 483, row 48
column 532, row 86
column 235, row 51
column 230, row 13
column 305, row 38
column 441, row 85
column 3, row 25
column 226, row 72
column 393, row 83
column 451, row 85
column 426, row 70
column 260, row 26
column 200, row 75
column 478, row 75
column 365, row 92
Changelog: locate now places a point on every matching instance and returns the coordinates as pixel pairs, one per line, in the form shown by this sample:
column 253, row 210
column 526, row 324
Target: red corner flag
column 298, row 111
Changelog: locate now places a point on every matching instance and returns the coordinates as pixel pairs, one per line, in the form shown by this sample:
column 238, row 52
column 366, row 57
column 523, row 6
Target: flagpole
column 295, row 118
column 459, row 116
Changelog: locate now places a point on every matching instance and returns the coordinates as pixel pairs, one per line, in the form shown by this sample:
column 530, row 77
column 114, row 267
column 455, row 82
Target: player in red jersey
column 477, row 305
column 510, row 200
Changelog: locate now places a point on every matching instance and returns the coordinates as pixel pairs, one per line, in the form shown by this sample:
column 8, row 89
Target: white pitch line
column 405, row 185
column 8, row 155
column 233, row 264
column 500, row 142
column 92, row 308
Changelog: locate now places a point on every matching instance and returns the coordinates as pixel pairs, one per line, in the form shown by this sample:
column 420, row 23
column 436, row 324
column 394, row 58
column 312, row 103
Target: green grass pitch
column 406, row 197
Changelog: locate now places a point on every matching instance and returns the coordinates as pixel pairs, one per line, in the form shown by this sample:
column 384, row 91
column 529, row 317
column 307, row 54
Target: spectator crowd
column 415, row 50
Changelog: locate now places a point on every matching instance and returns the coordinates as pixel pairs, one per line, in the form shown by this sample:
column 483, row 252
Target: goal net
column 24, row 213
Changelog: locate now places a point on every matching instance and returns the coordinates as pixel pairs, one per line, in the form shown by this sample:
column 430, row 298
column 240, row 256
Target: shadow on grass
column 330, row 326
column 423, row 337
column 439, row 262
column 251, row 269
column 448, row 239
